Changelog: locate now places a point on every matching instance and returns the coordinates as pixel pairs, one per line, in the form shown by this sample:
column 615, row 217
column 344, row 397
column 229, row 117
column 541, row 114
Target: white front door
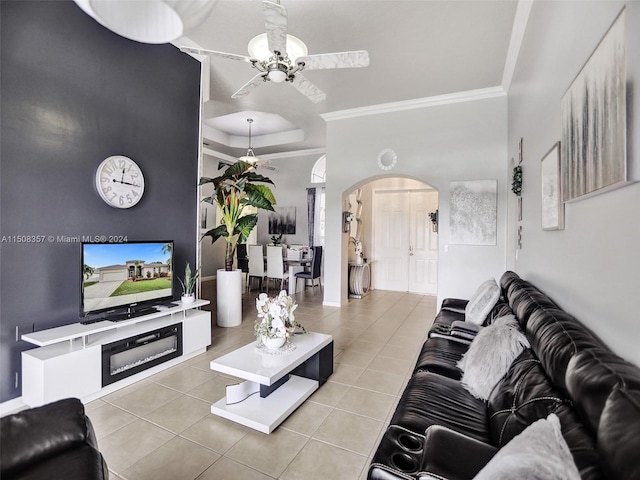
column 405, row 247
column 423, row 243
column 390, row 241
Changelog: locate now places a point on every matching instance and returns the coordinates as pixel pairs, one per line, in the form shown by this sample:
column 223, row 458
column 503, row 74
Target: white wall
column 437, row 145
column 592, row 267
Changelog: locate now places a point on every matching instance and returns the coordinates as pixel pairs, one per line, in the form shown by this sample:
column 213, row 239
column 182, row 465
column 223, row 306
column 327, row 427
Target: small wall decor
column 473, row 212
column 347, row 218
column 594, row 120
column 519, row 241
column 552, row 206
column 282, row 220
column 433, row 216
column 387, row 159
column 516, row 181
column 203, row 217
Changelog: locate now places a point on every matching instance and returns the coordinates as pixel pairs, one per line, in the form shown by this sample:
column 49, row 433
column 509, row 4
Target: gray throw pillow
column 540, row 452
column 482, row 301
column 490, row 355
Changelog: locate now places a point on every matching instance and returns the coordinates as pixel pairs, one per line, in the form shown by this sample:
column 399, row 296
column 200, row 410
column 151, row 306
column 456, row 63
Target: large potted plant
column 237, row 188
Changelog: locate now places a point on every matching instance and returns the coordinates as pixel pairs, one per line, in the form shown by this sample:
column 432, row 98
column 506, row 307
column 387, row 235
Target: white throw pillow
column 490, row 355
column 540, row 452
column 482, row 301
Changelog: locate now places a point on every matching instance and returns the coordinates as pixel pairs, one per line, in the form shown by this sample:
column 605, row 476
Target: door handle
column 410, row 250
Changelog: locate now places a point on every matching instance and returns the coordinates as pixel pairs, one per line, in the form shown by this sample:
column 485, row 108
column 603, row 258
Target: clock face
column 120, row 182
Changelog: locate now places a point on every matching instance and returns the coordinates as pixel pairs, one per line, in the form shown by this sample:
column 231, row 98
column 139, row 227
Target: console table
column 68, row 360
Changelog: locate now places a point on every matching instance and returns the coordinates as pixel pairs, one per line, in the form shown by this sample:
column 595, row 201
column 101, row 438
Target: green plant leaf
column 237, row 169
column 256, row 177
column 205, row 180
column 216, row 233
column 260, row 196
column 245, row 225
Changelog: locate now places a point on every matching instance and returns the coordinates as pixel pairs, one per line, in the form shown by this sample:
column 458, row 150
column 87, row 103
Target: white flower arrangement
column 275, row 316
column 358, row 248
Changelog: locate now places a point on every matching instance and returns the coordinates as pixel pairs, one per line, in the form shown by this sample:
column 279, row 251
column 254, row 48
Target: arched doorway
column 399, row 238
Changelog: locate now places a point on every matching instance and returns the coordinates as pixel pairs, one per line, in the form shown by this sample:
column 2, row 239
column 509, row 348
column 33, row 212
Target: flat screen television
column 121, row 280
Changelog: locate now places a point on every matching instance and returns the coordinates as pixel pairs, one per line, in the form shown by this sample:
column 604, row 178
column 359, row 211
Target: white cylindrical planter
column 229, row 298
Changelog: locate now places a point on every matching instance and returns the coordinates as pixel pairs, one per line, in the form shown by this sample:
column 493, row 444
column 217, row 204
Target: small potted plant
column 189, row 283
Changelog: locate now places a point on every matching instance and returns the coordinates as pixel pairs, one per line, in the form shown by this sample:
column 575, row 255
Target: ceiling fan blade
column 275, row 22
column 230, row 56
column 250, row 85
column 355, row 59
column 307, row 88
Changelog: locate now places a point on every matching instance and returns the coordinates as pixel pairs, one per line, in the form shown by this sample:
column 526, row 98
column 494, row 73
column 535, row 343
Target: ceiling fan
column 285, row 56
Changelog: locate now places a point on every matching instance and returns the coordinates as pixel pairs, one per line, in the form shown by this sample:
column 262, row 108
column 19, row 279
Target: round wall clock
column 387, row 159
column 120, row 182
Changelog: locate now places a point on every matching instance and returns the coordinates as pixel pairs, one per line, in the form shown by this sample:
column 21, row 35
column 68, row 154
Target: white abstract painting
column 473, row 217
column 594, row 129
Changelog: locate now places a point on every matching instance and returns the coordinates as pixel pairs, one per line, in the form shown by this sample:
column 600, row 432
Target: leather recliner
column 54, row 441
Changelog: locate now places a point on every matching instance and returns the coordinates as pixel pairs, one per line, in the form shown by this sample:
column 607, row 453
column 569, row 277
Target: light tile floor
column 161, row 428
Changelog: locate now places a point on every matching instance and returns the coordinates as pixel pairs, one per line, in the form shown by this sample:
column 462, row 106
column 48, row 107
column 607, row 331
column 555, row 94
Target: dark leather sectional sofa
column 440, row 431
column 55, row 441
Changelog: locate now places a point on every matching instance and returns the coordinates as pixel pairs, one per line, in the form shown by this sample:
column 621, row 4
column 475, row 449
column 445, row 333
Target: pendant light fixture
column 250, row 157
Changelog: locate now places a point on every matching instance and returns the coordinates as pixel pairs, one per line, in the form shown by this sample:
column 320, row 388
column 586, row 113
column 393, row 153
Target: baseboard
column 331, row 304
column 12, row 406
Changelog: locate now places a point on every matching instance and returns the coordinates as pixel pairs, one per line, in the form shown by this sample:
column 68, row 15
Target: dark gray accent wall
column 72, row 94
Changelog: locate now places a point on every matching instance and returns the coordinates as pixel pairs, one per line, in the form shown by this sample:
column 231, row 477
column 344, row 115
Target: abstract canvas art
column 282, row 221
column 552, row 206
column 594, row 121
column 473, row 212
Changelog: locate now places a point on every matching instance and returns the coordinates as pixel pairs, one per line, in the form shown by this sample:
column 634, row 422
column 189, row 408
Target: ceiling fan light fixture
column 277, row 76
column 259, row 48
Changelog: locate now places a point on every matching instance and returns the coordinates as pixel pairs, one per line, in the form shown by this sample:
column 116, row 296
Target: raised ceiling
column 417, row 49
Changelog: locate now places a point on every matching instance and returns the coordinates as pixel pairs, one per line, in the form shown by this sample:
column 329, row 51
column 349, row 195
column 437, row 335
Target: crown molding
column 450, row 98
column 271, row 156
column 517, row 35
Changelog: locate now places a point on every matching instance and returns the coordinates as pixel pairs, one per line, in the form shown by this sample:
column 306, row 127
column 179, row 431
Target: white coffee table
column 275, row 384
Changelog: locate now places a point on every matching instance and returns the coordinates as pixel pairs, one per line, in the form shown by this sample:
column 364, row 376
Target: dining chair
column 315, row 272
column 275, row 265
column 256, row 264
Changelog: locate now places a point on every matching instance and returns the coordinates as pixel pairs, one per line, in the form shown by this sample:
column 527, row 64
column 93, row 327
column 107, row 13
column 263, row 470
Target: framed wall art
column 282, row 221
column 594, row 120
column 552, row 205
column 473, row 212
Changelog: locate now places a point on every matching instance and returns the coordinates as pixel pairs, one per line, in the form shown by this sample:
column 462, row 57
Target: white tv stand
column 68, row 360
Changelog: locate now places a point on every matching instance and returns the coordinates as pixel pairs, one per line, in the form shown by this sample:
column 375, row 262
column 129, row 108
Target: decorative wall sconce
column 347, row 218
column 434, row 221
